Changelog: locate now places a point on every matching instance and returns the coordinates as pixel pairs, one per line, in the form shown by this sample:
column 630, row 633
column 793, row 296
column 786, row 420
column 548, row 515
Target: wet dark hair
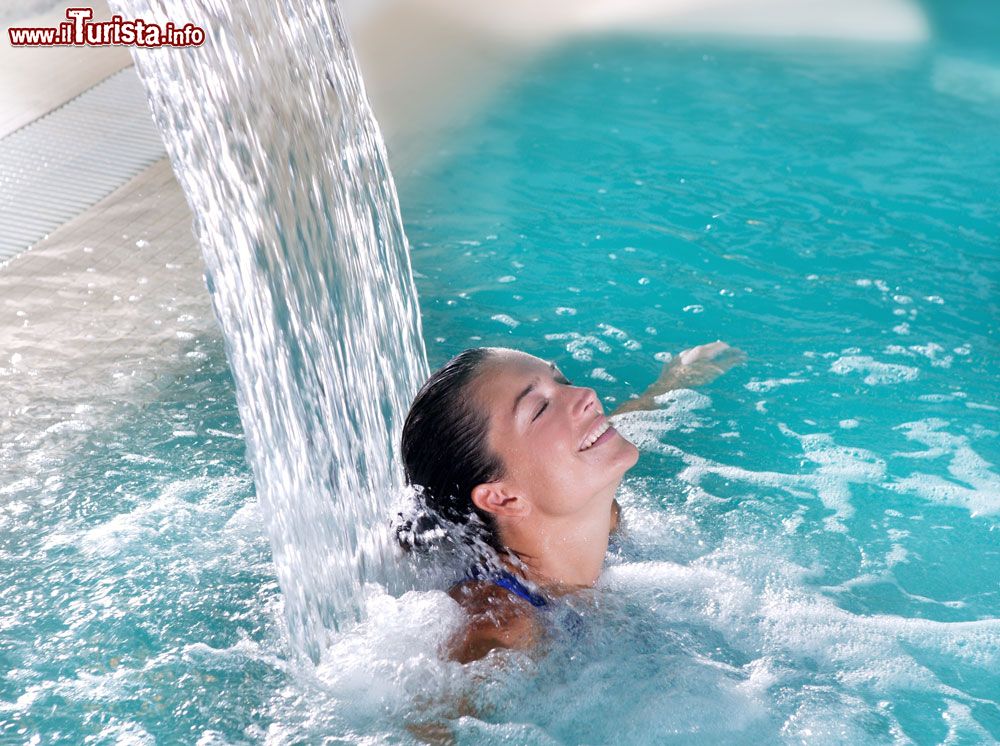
column 445, row 455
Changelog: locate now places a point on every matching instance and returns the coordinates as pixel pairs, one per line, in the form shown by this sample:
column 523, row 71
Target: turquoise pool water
column 811, row 547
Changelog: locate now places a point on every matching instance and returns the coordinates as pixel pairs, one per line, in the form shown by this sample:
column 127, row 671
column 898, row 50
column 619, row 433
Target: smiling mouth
column 596, row 434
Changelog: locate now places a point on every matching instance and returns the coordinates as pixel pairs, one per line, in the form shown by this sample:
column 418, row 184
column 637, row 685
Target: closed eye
column 559, row 378
column 540, row 410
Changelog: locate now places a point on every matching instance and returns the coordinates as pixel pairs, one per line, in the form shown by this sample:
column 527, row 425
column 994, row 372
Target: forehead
column 505, row 376
column 508, row 365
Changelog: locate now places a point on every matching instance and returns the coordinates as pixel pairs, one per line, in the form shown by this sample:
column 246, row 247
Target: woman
column 510, row 454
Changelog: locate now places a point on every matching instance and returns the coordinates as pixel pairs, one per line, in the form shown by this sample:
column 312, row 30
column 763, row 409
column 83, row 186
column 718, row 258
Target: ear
column 498, row 499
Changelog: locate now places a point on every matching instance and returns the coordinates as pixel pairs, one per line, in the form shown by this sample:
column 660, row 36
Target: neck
column 562, row 552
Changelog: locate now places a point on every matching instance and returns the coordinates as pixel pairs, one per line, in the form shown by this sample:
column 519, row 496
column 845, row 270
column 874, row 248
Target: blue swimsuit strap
column 508, row 581
column 504, row 579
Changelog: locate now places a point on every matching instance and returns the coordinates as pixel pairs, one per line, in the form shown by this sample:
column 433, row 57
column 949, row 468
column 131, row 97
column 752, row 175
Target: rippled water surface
column 811, row 542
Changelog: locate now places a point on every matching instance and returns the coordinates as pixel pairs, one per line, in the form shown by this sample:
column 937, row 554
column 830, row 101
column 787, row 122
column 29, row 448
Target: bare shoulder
column 496, row 618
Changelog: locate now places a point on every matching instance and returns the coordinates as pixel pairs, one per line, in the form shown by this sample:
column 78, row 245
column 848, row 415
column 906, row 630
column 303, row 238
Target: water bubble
column 506, row 320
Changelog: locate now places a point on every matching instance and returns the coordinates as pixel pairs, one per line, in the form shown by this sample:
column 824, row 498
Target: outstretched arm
column 694, row 367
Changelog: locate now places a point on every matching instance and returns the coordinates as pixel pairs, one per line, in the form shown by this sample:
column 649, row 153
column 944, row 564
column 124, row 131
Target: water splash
column 275, row 146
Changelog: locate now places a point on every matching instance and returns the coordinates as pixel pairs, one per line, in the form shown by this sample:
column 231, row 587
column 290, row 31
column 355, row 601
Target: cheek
column 528, row 463
column 546, row 470
column 550, row 464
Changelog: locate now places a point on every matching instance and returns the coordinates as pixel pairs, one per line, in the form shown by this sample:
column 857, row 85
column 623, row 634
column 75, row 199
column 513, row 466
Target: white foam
column 506, row 320
column 69, row 426
column 838, row 466
column 678, row 410
column 976, row 486
column 613, row 331
column 601, row 374
column 770, row 384
column 172, row 509
column 933, row 352
column 581, row 346
column 126, row 732
column 758, row 602
column 896, row 555
column 876, row 373
column 962, row 726
column 827, row 716
column 936, row 398
column 387, row 666
column 647, row 528
column 83, row 687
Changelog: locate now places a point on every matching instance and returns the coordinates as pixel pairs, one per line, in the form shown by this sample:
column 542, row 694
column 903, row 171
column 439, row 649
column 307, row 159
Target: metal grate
column 62, row 163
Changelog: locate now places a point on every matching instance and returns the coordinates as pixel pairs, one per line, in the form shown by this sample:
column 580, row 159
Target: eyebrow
column 529, row 388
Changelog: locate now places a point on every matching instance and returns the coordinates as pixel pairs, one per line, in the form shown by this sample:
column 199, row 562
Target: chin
column 633, row 456
column 628, row 455
column 623, row 461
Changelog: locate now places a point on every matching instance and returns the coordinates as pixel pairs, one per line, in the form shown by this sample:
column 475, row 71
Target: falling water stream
column 272, row 139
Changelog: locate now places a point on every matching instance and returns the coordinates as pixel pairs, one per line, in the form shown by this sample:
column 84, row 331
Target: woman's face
column 559, row 451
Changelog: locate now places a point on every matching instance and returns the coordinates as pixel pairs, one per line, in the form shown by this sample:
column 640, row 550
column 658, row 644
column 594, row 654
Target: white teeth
column 595, row 435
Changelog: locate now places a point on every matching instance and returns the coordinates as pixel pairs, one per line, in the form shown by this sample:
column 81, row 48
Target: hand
column 694, row 367
column 699, row 365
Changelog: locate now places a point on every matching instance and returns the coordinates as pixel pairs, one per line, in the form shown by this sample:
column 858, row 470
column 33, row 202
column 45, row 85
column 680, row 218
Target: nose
column 586, row 403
